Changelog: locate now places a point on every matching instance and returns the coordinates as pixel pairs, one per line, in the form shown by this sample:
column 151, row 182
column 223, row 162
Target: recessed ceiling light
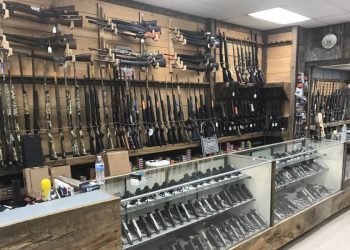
column 280, row 16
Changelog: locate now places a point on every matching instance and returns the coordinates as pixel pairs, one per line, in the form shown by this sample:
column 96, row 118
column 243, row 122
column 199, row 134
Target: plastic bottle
column 100, row 170
column 343, row 132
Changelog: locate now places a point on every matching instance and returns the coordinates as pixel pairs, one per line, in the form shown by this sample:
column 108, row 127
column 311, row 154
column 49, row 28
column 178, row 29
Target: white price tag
column 252, row 107
column 150, row 132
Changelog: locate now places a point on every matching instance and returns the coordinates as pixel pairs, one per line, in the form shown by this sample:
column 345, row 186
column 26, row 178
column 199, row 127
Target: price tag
column 252, row 107
column 150, row 132
column 217, row 124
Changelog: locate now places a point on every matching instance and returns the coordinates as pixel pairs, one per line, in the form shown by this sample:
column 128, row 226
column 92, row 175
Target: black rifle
column 172, row 123
column 167, row 125
column 152, row 118
column 59, row 114
column 141, row 30
column 225, row 71
column 136, row 111
column 126, row 108
column 236, row 65
column 179, row 128
column 3, row 146
column 64, row 15
column 105, row 112
column 159, row 119
column 150, row 137
column 55, row 42
column 192, row 122
column 25, row 98
column 36, row 117
column 90, row 127
column 95, row 106
column 260, row 75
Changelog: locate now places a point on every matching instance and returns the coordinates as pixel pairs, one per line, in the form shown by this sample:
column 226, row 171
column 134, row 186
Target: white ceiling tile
column 245, row 7
column 315, row 8
column 344, row 4
column 312, row 24
column 251, row 22
column 321, row 12
column 341, row 18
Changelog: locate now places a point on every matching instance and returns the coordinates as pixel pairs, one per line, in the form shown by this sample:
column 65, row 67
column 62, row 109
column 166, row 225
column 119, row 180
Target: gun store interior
column 173, row 125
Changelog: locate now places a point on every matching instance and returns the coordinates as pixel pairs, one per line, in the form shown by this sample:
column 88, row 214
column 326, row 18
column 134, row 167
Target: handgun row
column 228, row 232
column 178, row 214
column 307, row 196
column 296, row 172
column 172, row 183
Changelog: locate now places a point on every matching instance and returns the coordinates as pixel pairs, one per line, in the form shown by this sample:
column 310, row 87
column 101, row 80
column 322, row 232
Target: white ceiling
column 321, row 12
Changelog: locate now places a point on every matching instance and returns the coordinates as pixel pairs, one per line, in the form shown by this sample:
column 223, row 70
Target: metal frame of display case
column 157, row 199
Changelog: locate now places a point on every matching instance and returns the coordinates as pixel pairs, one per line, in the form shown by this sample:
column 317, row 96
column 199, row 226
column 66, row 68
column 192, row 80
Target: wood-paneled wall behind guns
column 87, row 37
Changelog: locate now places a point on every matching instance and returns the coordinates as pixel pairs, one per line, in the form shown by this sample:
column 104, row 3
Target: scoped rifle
column 59, row 114
column 75, row 148
column 64, row 15
column 25, row 98
column 245, row 72
column 143, row 29
column 55, row 42
column 48, row 121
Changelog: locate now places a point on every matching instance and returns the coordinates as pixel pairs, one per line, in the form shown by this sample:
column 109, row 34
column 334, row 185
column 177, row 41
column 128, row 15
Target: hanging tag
column 255, row 95
column 150, row 132
column 217, row 124
column 252, row 107
column 142, row 40
column 233, row 93
column 54, row 29
column 49, row 50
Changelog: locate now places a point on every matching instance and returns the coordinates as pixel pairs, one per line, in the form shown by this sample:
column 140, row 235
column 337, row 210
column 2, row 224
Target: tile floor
column 333, row 233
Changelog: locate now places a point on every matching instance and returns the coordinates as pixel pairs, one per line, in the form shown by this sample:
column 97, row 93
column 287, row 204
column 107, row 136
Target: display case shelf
column 181, row 226
column 186, row 189
column 289, row 184
column 303, row 208
column 304, row 156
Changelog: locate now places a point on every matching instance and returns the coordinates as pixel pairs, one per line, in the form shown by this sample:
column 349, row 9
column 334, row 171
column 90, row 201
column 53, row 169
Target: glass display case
column 306, row 172
column 210, row 203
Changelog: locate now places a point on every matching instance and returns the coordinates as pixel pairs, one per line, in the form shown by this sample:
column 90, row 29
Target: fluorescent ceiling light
column 280, row 16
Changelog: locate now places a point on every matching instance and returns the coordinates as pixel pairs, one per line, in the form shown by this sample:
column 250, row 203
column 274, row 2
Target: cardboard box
column 116, row 163
column 32, row 179
column 60, row 170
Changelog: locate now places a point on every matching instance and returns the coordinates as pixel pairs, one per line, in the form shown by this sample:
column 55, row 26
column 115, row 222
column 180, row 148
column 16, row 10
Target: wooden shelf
column 332, row 124
column 151, row 150
column 10, row 171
